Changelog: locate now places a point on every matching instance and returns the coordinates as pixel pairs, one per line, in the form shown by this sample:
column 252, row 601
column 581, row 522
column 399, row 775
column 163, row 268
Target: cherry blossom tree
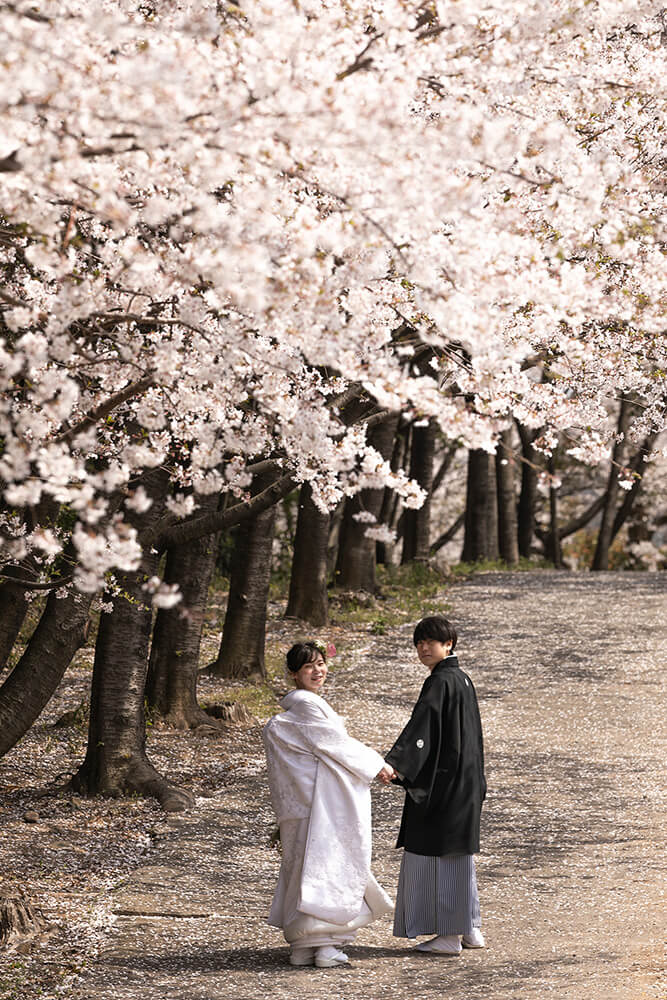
column 220, row 223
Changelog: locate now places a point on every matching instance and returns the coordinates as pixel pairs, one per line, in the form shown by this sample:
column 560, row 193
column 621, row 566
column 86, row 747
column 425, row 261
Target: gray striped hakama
column 436, row 895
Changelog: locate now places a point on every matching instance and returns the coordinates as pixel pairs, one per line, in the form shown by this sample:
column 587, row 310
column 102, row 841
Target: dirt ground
column 571, row 875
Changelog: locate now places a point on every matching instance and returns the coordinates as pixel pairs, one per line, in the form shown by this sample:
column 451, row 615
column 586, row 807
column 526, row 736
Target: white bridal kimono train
column 319, row 779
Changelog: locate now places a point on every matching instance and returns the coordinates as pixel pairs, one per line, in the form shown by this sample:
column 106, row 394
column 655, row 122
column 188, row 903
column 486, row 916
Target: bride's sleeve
column 330, row 741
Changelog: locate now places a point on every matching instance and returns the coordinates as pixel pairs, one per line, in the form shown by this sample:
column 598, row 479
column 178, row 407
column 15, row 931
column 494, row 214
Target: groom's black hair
column 435, row 627
column 302, row 653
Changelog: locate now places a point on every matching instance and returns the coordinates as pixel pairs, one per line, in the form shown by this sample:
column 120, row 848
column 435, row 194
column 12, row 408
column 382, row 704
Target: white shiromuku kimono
column 320, row 779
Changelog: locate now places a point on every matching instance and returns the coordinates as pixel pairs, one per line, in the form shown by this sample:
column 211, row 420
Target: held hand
column 386, row 774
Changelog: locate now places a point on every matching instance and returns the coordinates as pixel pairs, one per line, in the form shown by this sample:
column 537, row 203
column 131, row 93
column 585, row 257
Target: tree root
column 214, row 717
column 143, row 779
column 193, row 718
column 230, row 711
column 137, row 776
column 18, row 919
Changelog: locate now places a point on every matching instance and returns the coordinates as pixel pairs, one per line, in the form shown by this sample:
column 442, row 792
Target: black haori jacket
column 440, row 759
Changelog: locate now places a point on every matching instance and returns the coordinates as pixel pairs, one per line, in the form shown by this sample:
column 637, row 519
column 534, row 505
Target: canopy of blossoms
column 217, row 221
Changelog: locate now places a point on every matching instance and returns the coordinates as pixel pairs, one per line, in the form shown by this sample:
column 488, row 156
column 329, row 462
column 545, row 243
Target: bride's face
column 312, row 675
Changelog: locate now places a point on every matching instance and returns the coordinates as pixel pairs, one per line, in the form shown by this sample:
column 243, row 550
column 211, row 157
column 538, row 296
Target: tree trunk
column 508, row 539
column 62, row 629
column 481, row 520
column 573, row 525
column 528, row 492
column 630, row 497
column 553, row 546
column 174, row 660
column 605, row 534
column 443, row 468
column 13, row 607
column 241, row 651
column 355, row 569
column 448, row 535
column 417, row 523
column 116, row 761
column 308, row 598
column 492, row 510
column 389, row 513
column 335, row 525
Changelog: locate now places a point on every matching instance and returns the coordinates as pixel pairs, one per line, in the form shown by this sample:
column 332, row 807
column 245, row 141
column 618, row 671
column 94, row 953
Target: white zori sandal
column 328, row 957
column 444, row 944
column 473, row 940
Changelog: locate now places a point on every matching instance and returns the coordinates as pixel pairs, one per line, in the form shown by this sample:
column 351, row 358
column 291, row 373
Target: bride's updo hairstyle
column 302, row 653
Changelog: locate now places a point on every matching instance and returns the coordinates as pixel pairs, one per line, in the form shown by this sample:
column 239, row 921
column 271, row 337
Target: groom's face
column 431, row 651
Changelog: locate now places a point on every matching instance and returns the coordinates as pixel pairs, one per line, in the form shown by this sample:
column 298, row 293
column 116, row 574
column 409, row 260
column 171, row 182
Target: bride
column 319, row 778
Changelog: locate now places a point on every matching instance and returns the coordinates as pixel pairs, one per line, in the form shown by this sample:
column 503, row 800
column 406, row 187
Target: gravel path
column 568, row 672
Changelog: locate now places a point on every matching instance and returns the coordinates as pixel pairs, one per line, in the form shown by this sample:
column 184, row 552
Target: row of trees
column 147, row 658
column 252, row 249
column 508, row 508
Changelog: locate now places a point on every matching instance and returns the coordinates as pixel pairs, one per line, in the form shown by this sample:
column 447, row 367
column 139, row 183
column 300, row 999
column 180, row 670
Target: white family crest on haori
column 319, row 779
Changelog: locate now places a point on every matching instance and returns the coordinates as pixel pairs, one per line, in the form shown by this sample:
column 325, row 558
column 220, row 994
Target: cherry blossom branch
column 62, row 581
column 344, row 399
column 166, row 533
column 376, row 418
column 591, row 138
column 113, row 318
column 298, row 175
column 107, row 407
column 519, row 176
column 11, row 300
column 31, row 15
column 264, row 465
column 360, row 63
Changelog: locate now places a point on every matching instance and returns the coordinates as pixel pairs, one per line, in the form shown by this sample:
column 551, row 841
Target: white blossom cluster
column 214, row 219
